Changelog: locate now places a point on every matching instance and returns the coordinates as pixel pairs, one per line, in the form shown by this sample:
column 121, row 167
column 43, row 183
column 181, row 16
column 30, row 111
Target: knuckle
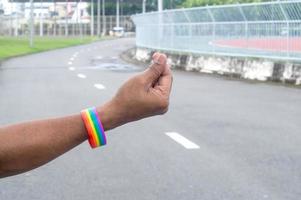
column 163, row 106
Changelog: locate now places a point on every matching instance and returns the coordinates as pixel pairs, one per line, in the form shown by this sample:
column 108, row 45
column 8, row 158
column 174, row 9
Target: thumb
column 157, row 67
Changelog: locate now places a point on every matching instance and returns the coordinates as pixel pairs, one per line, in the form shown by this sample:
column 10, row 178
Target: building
column 1, row 8
column 74, row 12
column 39, row 11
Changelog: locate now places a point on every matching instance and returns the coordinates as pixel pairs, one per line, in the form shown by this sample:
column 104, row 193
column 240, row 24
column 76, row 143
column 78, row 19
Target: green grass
column 13, row 46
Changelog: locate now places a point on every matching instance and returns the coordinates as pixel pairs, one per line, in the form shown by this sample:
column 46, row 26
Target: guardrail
column 266, row 30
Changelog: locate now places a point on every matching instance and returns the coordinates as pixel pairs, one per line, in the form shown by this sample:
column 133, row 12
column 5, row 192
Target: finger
column 157, row 68
column 165, row 79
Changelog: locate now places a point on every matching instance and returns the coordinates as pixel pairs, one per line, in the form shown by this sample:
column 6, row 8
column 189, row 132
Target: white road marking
column 182, row 140
column 81, row 76
column 99, row 57
column 99, row 86
column 72, row 58
column 71, row 68
column 114, row 57
column 69, row 63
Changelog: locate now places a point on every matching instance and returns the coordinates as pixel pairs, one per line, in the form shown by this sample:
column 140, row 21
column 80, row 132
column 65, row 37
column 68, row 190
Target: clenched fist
column 144, row 95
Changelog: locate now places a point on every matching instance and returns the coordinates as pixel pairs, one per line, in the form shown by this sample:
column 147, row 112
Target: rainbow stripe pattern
column 96, row 134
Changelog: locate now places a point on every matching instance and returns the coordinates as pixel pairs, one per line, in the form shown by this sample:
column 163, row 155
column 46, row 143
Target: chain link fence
column 268, row 30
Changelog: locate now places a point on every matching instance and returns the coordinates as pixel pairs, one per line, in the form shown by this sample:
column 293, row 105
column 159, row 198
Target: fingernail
column 154, row 55
column 157, row 60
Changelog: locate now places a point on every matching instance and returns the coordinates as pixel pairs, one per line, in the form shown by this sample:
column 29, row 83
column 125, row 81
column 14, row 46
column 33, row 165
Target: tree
column 129, row 7
column 196, row 3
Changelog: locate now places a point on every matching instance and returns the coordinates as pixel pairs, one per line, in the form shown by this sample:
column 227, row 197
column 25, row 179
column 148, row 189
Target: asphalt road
column 248, row 135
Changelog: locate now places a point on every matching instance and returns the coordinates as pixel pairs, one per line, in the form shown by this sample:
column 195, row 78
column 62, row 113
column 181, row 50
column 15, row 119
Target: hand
column 28, row 145
column 143, row 95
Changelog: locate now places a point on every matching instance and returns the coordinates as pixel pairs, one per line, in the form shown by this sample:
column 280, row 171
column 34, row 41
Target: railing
column 268, row 30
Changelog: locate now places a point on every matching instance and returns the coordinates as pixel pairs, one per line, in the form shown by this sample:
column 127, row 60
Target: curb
column 129, row 57
column 188, row 62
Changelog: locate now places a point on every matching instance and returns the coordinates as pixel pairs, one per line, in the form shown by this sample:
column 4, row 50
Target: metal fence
column 19, row 26
column 269, row 30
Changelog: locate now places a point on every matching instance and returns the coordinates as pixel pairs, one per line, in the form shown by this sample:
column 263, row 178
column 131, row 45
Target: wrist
column 109, row 116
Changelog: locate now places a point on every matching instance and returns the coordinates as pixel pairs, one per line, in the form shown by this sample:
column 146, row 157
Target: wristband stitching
column 96, row 134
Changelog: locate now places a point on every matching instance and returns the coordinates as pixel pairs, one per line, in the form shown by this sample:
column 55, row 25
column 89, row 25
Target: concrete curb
column 243, row 68
column 129, row 57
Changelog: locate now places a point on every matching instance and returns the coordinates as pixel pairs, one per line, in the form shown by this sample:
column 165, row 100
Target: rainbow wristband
column 96, row 134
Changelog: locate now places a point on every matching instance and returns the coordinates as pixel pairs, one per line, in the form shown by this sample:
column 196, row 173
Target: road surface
column 221, row 139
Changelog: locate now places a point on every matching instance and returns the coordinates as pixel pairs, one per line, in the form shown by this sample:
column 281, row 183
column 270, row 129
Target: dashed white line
column 114, row 57
column 71, row 68
column 182, row 140
column 99, row 86
column 69, row 63
column 81, row 76
column 71, row 59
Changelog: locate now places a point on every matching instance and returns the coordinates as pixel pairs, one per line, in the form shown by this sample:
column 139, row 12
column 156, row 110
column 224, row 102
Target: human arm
column 29, row 145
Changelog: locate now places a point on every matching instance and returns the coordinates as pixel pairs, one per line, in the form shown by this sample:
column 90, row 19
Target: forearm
column 29, row 145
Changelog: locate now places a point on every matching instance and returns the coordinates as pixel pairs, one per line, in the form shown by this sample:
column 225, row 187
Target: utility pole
column 11, row 29
column 121, row 14
column 80, row 20
column 117, row 13
column 77, row 18
column 104, row 21
column 92, row 18
column 41, row 18
column 143, row 6
column 66, row 18
column 98, row 18
column 54, row 15
column 17, row 24
column 160, row 5
column 31, row 34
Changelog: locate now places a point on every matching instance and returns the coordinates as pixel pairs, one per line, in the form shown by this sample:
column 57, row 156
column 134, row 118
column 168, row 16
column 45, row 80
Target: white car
column 117, row 31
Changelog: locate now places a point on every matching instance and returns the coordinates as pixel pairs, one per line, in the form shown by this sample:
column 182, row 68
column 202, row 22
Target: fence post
column 288, row 29
column 190, row 41
column 213, row 23
column 246, row 25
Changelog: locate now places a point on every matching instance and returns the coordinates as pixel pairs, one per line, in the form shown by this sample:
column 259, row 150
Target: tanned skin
column 29, row 145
